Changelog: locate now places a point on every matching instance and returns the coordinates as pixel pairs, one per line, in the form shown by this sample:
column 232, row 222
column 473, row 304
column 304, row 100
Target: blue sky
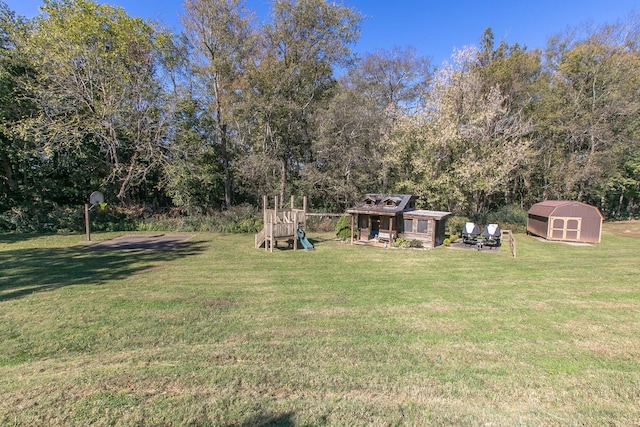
column 433, row 27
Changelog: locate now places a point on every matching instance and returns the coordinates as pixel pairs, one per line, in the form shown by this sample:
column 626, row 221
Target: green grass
column 219, row 333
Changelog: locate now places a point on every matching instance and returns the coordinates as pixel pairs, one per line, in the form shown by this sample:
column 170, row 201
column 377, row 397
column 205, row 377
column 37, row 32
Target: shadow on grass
column 25, row 271
column 12, row 237
column 284, row 245
column 283, row 420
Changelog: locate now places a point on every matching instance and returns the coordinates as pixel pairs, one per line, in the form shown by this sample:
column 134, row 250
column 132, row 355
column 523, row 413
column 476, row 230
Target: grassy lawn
column 219, row 333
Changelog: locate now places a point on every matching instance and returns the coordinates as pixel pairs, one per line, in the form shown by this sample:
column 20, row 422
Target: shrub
column 238, row 219
column 343, row 227
column 321, row 223
column 446, row 242
column 402, row 242
column 42, row 217
column 455, row 224
column 511, row 217
column 50, row 218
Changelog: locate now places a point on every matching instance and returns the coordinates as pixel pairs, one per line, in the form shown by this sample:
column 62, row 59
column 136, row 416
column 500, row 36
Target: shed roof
column 548, row 207
column 426, row 214
column 382, row 204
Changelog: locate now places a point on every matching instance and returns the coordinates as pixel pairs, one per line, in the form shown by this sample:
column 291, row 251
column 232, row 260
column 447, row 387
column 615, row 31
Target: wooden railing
column 512, row 241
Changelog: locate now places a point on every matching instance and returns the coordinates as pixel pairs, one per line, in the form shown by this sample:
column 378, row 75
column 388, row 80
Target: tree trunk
column 8, row 173
column 226, row 165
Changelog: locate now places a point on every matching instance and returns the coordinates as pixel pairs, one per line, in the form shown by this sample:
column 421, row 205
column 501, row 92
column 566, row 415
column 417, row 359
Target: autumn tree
column 356, row 149
column 291, row 80
column 589, row 116
column 469, row 139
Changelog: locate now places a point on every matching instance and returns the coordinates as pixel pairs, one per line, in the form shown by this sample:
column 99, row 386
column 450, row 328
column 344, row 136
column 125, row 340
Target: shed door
column 564, row 228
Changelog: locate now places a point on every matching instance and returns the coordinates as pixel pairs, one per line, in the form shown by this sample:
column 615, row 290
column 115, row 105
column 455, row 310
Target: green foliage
column 91, row 97
column 511, row 216
column 402, row 242
column 447, row 241
column 343, row 227
column 238, row 219
column 42, row 218
column 455, row 224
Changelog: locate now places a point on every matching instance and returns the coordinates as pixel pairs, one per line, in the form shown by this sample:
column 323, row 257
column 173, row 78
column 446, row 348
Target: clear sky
column 433, row 27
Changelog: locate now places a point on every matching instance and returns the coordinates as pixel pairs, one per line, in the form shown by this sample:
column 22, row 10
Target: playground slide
column 303, row 240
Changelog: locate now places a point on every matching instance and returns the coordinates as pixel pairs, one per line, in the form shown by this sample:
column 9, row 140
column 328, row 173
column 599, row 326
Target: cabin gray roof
column 382, row 204
column 422, row 213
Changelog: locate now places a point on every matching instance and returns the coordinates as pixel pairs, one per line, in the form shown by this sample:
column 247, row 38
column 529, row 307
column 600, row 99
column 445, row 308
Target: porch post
column 390, row 231
column 352, row 221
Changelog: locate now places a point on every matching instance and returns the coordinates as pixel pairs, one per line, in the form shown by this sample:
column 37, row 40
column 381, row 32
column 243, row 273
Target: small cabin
column 386, row 217
column 565, row 220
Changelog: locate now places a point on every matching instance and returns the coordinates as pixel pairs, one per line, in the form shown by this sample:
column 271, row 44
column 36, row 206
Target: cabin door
column 565, row 228
column 375, row 226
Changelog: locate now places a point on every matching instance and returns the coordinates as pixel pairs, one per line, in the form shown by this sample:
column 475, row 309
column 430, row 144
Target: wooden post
column 86, row 222
column 352, row 221
column 390, row 231
column 292, row 205
column 275, row 209
column 304, row 208
column 265, row 205
column 271, row 235
column 295, row 227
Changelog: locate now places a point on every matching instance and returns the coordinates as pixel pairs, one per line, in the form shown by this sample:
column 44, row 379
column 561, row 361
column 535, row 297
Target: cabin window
column 363, row 221
column 384, row 223
column 370, row 202
column 389, row 203
column 408, row 225
column 423, row 226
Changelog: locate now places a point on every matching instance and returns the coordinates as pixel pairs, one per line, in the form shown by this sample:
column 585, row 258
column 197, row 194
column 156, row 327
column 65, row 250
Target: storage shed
column 565, row 220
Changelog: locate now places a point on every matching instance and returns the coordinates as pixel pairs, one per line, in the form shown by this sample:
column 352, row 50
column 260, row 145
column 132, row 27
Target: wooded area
column 229, row 110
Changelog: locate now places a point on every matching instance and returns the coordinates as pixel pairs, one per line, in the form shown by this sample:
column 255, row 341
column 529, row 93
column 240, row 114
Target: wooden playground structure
column 280, row 224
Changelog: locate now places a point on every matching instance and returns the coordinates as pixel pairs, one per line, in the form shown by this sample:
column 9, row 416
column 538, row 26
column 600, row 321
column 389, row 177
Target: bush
column 322, row 224
column 343, row 227
column 509, row 215
column 402, row 242
column 447, row 242
column 455, row 224
column 42, row 218
column 239, row 219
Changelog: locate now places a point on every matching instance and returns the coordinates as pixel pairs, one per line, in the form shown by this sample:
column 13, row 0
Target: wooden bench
column 384, row 235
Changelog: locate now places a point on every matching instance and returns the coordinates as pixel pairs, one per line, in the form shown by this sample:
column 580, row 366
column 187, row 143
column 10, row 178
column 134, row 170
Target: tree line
column 230, row 109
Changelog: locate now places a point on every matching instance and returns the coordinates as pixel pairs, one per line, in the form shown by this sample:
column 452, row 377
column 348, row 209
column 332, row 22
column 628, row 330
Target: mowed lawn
column 219, row 333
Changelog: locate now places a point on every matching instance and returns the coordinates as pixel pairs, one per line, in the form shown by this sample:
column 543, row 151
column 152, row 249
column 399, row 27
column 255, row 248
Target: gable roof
column 548, row 207
column 382, row 204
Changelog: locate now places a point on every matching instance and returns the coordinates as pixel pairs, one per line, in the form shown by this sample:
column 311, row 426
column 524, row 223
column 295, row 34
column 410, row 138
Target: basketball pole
column 86, row 221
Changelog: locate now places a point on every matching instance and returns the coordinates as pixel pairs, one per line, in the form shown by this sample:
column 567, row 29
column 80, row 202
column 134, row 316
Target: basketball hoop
column 96, row 198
